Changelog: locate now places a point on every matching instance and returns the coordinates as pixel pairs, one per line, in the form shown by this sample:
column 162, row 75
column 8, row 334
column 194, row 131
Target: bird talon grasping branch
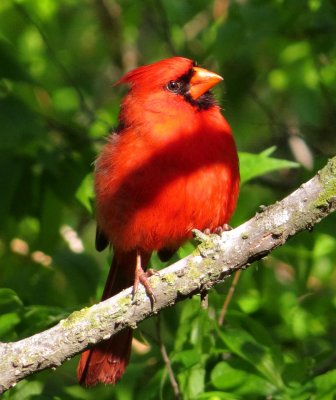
column 142, row 276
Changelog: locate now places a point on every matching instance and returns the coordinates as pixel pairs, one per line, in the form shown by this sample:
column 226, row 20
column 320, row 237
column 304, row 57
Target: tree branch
column 215, row 259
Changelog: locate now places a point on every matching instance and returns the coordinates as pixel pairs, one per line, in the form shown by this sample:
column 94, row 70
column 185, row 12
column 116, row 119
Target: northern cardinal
column 170, row 167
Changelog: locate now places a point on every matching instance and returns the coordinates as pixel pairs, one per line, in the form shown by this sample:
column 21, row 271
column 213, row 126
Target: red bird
column 170, row 167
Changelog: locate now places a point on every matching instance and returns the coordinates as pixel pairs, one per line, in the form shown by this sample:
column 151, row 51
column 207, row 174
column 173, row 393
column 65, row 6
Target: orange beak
column 202, row 81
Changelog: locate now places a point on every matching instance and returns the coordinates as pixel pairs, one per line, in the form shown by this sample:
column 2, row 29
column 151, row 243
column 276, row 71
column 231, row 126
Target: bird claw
column 143, row 279
column 142, row 276
column 218, row 230
column 150, row 272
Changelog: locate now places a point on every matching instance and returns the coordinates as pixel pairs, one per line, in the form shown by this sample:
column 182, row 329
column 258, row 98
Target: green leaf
column 254, row 165
column 189, row 313
column 223, row 376
column 325, row 385
column 7, row 323
column 232, row 378
column 9, row 301
column 25, row 390
column 187, row 357
column 195, row 382
column 256, row 354
column 268, row 152
column 85, row 193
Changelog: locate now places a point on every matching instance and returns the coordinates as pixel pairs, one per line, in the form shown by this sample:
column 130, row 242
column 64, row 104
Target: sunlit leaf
column 255, row 165
column 85, row 193
column 7, row 323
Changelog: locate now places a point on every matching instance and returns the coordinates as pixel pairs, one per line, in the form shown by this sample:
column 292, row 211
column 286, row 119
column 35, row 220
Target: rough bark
column 215, row 259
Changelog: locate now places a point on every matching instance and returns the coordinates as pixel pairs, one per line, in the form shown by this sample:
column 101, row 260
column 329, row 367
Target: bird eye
column 173, row 86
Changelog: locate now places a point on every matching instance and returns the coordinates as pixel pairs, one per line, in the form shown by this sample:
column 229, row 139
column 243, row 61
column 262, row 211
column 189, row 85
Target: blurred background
column 59, row 60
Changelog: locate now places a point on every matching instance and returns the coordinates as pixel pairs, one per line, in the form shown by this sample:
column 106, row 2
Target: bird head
column 176, row 76
column 168, row 97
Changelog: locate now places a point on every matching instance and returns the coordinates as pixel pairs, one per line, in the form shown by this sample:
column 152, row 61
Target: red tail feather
column 106, row 362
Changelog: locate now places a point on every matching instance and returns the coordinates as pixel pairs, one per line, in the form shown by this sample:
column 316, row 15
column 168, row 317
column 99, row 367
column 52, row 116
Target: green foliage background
column 58, row 62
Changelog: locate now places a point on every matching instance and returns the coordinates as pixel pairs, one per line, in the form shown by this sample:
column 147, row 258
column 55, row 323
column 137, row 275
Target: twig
column 229, row 296
column 166, row 360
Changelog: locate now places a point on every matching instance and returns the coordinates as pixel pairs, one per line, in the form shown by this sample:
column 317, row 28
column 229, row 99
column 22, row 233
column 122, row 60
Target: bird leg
column 142, row 276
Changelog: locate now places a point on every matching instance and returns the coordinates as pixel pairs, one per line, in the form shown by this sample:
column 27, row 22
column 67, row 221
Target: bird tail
column 107, row 361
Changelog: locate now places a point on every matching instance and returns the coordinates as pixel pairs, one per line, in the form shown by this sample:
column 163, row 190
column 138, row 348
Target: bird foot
column 218, row 230
column 142, row 276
